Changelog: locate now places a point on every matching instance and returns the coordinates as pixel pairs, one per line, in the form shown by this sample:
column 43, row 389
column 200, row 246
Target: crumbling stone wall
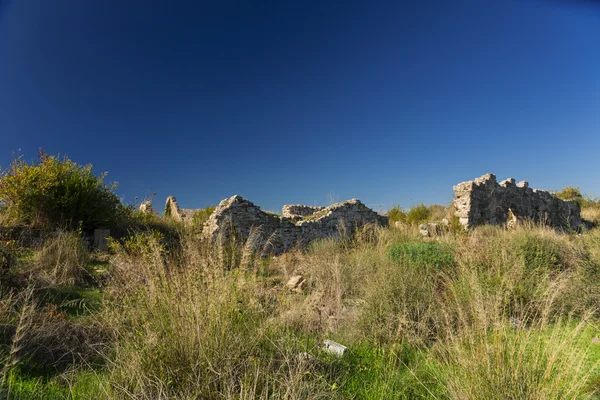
column 146, row 207
column 240, row 219
column 485, row 201
column 298, row 211
column 172, row 210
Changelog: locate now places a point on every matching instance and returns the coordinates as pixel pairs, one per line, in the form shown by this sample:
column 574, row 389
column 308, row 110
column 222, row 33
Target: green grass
column 372, row 371
column 488, row 314
column 426, row 254
column 74, row 301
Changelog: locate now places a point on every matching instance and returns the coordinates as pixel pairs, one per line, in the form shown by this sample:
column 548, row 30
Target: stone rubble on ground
column 430, row 229
column 295, row 283
column 146, row 207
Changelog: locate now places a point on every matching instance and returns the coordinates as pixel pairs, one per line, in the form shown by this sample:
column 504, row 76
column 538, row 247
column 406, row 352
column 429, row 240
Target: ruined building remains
column 172, row 210
column 146, row 207
column 238, row 218
column 485, row 201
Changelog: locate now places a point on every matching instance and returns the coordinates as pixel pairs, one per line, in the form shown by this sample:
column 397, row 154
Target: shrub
column 428, row 254
column 574, row 193
column 396, row 214
column 437, row 212
column 570, row 193
column 418, row 214
column 57, row 192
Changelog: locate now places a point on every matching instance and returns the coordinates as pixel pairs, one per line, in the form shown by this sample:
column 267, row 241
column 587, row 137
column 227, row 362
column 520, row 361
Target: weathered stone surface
column 485, row 201
column 239, row 218
column 146, row 207
column 298, row 211
column 295, row 283
column 172, row 210
column 429, row 230
column 101, row 239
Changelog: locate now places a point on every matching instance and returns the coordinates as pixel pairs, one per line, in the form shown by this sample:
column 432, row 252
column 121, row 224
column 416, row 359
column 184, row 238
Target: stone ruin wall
column 146, row 207
column 485, row 201
column 172, row 210
column 271, row 233
column 298, row 211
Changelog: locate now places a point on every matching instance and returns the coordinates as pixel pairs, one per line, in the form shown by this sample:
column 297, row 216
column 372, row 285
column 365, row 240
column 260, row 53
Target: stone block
column 101, row 239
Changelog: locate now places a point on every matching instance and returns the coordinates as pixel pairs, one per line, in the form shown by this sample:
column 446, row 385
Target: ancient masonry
column 146, row 207
column 485, row 201
column 178, row 214
column 298, row 225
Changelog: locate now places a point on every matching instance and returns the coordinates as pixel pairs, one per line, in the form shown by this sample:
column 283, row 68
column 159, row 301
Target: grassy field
column 492, row 314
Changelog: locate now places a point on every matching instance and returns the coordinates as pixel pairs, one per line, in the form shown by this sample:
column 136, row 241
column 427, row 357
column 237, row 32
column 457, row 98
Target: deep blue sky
column 298, row 102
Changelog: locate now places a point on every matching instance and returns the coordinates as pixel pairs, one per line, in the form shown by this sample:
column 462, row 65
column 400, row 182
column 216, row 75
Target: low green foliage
column 538, row 252
column 393, row 371
column 57, row 192
column 427, row 254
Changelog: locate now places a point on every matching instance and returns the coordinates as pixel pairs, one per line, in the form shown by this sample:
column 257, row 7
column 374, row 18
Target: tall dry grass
column 187, row 326
column 495, row 313
column 485, row 352
column 63, row 258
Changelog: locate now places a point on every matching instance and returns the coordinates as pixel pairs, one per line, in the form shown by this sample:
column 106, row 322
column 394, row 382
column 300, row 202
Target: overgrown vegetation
column 417, row 214
column 55, row 192
column 574, row 193
column 429, row 254
column 493, row 313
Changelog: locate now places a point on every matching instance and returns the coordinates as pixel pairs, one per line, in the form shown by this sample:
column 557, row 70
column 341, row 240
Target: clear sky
column 281, row 102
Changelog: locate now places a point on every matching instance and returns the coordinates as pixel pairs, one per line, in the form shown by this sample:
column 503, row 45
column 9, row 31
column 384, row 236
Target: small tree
column 418, row 214
column 55, row 192
column 571, row 193
column 396, row 214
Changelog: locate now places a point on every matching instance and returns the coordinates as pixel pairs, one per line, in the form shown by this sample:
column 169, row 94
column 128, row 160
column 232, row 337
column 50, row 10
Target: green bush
column 570, row 193
column 437, row 212
column 428, row 254
column 396, row 214
column 418, row 214
column 574, row 193
column 57, row 192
